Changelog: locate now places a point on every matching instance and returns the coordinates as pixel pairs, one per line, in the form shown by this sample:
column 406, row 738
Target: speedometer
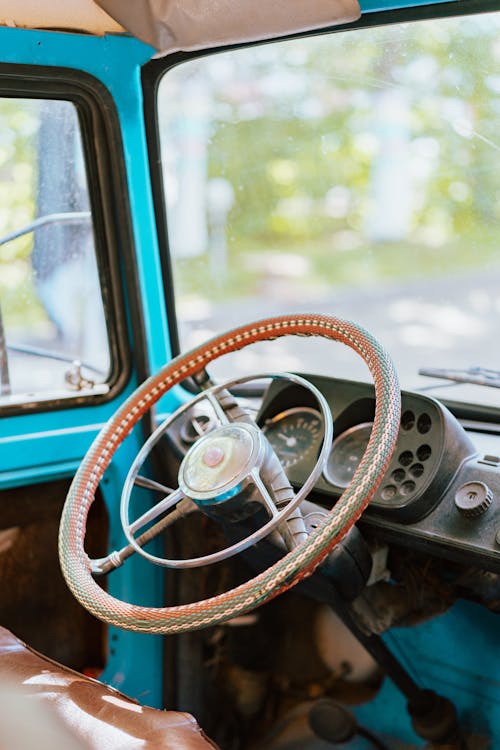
column 294, row 434
column 346, row 454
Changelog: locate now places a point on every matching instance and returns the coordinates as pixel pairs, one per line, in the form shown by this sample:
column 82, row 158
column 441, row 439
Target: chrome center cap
column 213, row 456
column 218, row 465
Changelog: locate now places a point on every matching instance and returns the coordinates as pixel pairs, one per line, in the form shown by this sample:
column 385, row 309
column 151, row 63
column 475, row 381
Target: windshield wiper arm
column 37, row 351
column 74, row 378
column 474, row 375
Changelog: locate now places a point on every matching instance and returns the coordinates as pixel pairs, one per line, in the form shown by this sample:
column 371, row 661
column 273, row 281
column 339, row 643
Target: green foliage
column 18, row 127
column 298, row 130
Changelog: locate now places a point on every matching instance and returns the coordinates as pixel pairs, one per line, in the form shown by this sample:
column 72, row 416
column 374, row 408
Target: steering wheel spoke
column 152, row 484
column 157, row 510
column 220, row 414
column 282, row 536
column 116, row 558
column 275, row 499
column 265, row 495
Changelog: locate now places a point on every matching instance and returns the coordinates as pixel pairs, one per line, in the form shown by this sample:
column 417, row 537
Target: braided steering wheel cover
column 295, row 565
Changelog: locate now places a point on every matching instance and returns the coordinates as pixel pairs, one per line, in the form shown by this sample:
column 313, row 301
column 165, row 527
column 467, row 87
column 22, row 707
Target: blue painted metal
column 116, row 62
column 455, row 655
column 371, row 6
column 50, row 445
column 134, row 662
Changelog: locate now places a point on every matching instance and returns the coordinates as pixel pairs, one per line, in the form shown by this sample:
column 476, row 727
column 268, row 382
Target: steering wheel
column 228, row 472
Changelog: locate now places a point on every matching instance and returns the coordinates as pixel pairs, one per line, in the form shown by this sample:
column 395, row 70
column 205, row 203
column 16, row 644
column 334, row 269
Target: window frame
column 103, row 158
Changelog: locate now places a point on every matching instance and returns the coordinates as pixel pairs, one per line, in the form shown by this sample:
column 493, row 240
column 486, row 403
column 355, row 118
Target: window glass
column 355, row 174
column 53, row 337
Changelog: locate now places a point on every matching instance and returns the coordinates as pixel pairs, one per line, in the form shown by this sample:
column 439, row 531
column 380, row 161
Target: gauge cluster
column 431, row 446
column 440, row 491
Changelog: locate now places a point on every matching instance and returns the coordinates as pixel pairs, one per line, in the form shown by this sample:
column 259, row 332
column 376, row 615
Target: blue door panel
column 50, row 445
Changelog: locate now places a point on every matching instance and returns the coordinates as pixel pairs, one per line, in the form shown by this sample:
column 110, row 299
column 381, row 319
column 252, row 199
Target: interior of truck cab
column 249, row 375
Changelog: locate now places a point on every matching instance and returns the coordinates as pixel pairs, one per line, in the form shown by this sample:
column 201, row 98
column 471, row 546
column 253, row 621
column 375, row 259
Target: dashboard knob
column 472, row 499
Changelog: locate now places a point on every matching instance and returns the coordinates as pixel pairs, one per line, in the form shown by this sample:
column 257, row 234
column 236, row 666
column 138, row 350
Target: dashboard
column 441, row 491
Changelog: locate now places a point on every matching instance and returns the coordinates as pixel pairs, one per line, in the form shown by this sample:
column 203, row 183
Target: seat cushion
column 98, row 716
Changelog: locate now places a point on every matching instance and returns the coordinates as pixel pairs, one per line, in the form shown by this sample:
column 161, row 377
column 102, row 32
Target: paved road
column 452, row 321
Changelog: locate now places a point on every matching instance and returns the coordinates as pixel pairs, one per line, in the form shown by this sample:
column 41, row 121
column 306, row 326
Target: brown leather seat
column 100, row 717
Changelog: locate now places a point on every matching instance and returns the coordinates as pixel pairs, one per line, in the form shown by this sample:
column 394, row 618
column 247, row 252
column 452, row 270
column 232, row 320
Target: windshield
column 355, row 174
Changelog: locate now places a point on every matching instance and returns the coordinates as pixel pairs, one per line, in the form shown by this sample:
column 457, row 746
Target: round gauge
column 294, row 434
column 346, row 454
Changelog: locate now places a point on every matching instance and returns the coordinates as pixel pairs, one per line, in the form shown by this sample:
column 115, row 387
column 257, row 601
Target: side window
column 53, row 336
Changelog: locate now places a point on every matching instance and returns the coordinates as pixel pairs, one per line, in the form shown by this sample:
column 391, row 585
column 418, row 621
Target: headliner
column 172, row 25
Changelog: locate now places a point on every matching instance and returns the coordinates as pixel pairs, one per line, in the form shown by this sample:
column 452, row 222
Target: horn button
column 219, row 465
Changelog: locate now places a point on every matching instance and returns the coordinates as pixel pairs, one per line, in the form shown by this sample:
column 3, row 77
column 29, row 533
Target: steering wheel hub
column 218, row 465
column 213, row 456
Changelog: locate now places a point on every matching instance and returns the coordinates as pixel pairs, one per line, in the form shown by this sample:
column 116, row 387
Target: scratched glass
column 354, row 174
column 53, row 336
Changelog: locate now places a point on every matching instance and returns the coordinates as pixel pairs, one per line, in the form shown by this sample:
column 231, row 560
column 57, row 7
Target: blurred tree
column 292, row 120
